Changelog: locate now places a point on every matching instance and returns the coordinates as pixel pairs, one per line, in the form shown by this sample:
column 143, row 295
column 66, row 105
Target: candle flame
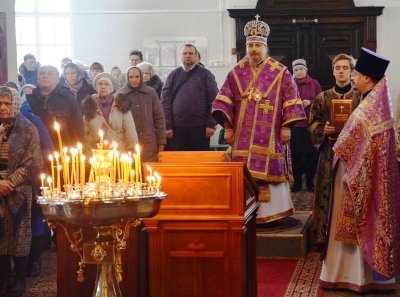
column 42, row 176
column 56, row 126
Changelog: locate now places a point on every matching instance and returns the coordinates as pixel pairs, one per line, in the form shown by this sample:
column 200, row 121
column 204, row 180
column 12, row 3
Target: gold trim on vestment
column 265, row 195
column 275, row 217
column 225, row 99
column 291, row 102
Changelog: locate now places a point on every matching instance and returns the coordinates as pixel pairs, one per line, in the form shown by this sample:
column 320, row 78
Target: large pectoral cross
column 266, row 107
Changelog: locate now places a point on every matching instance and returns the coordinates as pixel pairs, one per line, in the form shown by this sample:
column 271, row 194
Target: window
column 43, row 28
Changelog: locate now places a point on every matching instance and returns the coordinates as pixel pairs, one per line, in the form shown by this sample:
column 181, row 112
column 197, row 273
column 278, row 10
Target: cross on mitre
column 257, row 17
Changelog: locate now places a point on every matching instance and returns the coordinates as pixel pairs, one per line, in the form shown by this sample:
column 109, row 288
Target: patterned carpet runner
column 304, row 282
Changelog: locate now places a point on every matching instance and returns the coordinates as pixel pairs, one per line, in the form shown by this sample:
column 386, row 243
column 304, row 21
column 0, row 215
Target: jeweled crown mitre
column 256, row 31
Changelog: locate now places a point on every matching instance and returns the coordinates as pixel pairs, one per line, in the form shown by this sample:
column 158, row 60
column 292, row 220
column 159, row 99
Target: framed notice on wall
column 3, row 49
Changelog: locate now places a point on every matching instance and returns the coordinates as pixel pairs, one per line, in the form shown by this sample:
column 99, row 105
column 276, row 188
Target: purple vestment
column 370, row 207
column 258, row 101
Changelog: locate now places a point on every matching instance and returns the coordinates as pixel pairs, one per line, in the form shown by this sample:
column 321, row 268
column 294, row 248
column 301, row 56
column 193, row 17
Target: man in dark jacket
column 54, row 103
column 186, row 99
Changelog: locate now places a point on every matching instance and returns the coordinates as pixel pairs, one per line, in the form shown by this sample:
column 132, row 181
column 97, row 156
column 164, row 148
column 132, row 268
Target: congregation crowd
column 275, row 121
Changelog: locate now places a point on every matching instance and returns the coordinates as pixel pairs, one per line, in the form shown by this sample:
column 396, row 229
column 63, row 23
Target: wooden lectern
column 203, row 241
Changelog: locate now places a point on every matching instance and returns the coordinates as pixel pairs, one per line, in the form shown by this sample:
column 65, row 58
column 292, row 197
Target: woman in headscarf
column 150, row 78
column 75, row 81
column 147, row 113
column 109, row 113
column 20, row 162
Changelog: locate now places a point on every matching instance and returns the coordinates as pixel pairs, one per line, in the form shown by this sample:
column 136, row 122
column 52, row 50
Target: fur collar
column 89, row 105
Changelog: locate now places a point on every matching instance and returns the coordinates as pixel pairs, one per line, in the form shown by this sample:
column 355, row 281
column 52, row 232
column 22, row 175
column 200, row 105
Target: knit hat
column 299, row 63
column 107, row 76
column 371, row 64
column 146, row 66
column 256, row 31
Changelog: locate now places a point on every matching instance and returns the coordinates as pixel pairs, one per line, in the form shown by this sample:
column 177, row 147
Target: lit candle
column 158, row 183
column 73, row 171
column 49, row 182
column 78, row 161
column 42, row 179
column 64, row 165
column 59, row 167
column 101, row 134
column 149, row 171
column 132, row 175
column 67, row 169
column 57, row 127
column 58, row 182
column 82, row 172
column 118, row 165
column 136, row 168
column 114, row 165
column 139, row 172
column 91, row 178
column 51, row 166
column 111, row 163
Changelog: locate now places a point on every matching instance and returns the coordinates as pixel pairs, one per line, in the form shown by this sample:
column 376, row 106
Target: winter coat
column 149, row 119
column 120, row 121
column 156, row 83
column 30, row 77
column 60, row 106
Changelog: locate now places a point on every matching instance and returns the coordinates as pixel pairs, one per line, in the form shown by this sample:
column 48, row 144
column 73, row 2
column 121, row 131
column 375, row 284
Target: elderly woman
column 20, row 162
column 147, row 113
column 109, row 113
column 75, row 81
column 150, row 78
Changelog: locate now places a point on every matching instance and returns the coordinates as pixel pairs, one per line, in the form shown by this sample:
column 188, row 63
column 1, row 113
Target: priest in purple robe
column 257, row 105
column 363, row 242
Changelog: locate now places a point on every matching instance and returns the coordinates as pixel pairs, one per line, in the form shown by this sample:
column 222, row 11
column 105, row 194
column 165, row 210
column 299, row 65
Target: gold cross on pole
column 266, row 107
column 257, row 17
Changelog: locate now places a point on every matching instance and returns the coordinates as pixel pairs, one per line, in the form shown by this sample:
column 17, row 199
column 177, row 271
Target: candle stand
column 111, row 217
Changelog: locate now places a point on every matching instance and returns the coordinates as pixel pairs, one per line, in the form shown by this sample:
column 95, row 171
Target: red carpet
column 273, row 276
column 289, row 277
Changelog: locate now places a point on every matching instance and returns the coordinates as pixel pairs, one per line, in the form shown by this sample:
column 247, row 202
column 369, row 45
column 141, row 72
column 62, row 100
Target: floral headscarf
column 74, row 88
column 15, row 98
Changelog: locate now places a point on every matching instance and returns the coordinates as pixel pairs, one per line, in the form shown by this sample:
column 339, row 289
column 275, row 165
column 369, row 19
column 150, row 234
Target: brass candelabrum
column 112, row 202
column 112, row 218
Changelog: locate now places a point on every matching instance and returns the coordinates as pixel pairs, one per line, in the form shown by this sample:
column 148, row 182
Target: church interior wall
column 106, row 31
